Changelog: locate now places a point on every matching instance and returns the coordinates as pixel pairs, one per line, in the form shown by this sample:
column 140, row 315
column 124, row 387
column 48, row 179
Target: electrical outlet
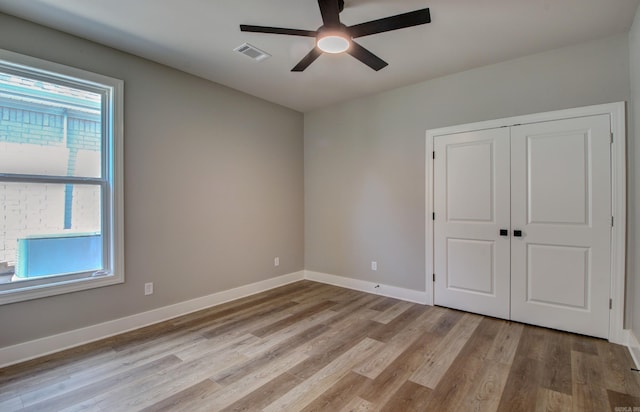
column 148, row 288
column 374, row 265
column 276, row 262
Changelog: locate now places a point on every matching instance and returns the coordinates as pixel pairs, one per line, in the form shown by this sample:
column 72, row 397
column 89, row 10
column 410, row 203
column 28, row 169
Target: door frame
column 616, row 112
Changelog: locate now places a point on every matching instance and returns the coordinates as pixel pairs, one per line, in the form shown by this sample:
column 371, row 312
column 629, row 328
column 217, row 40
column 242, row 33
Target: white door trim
column 616, row 112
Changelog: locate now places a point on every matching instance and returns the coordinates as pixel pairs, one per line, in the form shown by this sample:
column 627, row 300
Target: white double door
column 522, row 226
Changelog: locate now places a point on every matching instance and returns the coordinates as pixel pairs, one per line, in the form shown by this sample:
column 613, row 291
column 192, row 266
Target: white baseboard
column 409, row 295
column 40, row 347
column 44, row 346
column 634, row 348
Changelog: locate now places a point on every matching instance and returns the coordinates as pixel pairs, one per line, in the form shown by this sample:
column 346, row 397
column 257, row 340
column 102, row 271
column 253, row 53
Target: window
column 61, row 204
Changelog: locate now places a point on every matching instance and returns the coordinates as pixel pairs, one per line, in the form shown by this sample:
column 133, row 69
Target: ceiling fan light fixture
column 335, row 37
column 334, row 43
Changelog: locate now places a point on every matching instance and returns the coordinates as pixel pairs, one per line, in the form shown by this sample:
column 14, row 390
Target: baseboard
column 634, row 348
column 409, row 295
column 40, row 347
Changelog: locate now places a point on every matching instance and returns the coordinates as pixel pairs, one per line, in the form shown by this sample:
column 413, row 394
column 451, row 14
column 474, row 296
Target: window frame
column 111, row 181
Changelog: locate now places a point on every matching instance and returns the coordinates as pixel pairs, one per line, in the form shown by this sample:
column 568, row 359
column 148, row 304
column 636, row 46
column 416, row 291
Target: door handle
column 504, row 232
column 517, row 233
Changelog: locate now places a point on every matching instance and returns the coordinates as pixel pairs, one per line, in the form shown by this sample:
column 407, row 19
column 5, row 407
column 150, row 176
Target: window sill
column 53, row 289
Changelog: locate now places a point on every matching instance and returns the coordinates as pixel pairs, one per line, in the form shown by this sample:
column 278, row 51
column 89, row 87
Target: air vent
column 252, row 51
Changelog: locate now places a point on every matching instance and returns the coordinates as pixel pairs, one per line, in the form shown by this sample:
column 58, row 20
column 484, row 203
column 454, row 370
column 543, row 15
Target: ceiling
column 198, row 37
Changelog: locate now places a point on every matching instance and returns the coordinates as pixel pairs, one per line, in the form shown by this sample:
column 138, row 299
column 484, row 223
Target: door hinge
column 611, row 221
column 610, row 303
column 433, row 216
column 434, row 277
column 433, row 154
column 611, row 137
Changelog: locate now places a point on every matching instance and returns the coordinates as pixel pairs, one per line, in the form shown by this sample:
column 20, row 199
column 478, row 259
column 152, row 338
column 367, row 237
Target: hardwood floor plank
column 207, row 346
column 41, row 393
column 584, row 344
column 455, row 385
column 297, row 316
column 242, row 328
column 348, row 329
column 119, row 363
column 11, row 404
column 382, row 388
column 384, row 304
column 264, row 344
column 342, row 320
column 48, row 367
column 363, row 300
column 556, row 373
column 357, row 404
column 312, row 387
column 175, row 401
column 339, row 395
column 374, row 365
column 410, row 397
column 521, row 389
column 244, row 305
column 552, row 401
column 227, row 376
column 265, row 394
column 325, row 348
column 154, row 387
column 393, row 312
column 442, row 356
column 447, row 322
column 456, row 388
column 247, row 320
column 399, row 322
column 482, row 339
column 618, row 375
column 246, row 385
column 89, row 391
column 506, row 342
column 533, row 343
column 215, row 317
column 484, row 394
column 589, row 392
column 622, row 401
column 315, row 294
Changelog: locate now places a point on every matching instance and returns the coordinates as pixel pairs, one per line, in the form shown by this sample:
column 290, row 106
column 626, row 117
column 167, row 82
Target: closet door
column 471, row 204
column 561, row 203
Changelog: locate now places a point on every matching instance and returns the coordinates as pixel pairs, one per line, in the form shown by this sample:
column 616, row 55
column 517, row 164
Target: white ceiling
column 198, row 36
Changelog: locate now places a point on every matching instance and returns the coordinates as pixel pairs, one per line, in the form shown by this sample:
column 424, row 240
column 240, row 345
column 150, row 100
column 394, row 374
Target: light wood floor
column 314, row 347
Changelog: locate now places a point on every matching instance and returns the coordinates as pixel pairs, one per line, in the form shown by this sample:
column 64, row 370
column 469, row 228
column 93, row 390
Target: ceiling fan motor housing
column 335, row 37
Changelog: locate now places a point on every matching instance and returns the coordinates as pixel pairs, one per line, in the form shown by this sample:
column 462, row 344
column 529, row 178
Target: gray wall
column 633, row 154
column 213, row 188
column 364, row 159
column 214, row 178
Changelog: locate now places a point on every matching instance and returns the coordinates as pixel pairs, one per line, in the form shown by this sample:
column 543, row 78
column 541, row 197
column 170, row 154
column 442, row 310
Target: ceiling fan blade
column 366, row 57
column 400, row 21
column 307, row 60
column 330, row 11
column 277, row 30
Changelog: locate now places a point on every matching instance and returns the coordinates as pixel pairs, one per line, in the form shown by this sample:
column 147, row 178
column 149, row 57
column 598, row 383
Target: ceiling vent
column 252, row 51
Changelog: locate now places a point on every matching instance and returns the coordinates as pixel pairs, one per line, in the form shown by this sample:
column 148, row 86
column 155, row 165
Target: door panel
column 471, row 203
column 560, row 199
column 466, row 258
column 470, row 182
column 564, row 267
column 558, row 194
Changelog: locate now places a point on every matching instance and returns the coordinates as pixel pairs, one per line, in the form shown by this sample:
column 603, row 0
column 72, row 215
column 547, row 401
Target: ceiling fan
column 335, row 37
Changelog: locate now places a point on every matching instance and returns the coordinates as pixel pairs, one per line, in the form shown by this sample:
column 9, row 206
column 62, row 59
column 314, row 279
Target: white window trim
column 115, row 192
